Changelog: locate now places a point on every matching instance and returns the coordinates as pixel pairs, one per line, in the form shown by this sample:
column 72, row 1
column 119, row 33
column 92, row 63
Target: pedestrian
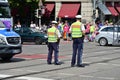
column 77, row 30
column 106, row 23
column 53, row 43
column 92, row 32
column 32, row 25
column 18, row 25
column 60, row 27
column 66, row 31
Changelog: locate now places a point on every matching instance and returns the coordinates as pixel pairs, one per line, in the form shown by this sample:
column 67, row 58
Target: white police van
column 10, row 41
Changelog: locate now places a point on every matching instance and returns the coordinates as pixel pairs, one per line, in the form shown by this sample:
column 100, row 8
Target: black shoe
column 72, row 65
column 58, row 63
column 49, row 63
column 81, row 65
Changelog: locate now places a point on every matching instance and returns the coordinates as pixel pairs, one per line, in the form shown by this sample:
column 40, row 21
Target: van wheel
column 103, row 42
column 6, row 57
column 38, row 41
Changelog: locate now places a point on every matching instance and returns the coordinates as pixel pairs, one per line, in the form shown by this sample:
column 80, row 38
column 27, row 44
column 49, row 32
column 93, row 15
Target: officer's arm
column 83, row 29
column 58, row 33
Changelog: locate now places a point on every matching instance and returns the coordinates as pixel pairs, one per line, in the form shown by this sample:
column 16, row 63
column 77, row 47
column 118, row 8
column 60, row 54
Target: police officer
column 53, row 43
column 77, row 31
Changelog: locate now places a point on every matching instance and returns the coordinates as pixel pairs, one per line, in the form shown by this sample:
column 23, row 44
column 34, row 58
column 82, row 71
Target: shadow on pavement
column 12, row 60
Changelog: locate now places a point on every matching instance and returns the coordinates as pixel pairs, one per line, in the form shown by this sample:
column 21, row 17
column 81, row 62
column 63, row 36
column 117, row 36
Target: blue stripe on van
column 8, row 33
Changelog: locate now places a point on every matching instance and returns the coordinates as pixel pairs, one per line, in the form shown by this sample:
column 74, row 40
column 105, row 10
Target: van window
column 2, row 25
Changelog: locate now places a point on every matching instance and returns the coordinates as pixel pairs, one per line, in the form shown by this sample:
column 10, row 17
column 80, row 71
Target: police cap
column 54, row 22
column 78, row 16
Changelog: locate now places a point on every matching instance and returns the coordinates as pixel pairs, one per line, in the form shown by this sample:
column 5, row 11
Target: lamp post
column 39, row 14
column 94, row 10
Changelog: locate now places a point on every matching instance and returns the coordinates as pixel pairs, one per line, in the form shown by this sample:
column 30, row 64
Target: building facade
column 89, row 9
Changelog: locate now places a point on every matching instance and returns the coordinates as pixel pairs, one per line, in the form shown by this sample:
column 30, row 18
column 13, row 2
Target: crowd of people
column 91, row 29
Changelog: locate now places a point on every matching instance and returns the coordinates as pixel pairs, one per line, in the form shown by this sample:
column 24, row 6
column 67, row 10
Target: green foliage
column 21, row 5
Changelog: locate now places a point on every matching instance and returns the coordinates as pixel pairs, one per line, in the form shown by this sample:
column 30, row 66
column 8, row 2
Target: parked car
column 31, row 35
column 108, row 35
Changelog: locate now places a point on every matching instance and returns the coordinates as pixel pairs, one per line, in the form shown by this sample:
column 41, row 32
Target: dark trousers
column 53, row 47
column 77, row 51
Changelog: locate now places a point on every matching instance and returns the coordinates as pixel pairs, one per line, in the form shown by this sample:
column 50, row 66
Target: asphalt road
column 102, row 63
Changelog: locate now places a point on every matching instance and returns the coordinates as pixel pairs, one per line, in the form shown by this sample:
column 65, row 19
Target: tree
column 23, row 10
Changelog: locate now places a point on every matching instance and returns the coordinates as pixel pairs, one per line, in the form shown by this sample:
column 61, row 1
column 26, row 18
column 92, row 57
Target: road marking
column 34, row 56
column 87, row 76
column 67, row 74
column 32, row 78
column 107, row 78
column 117, row 65
column 27, row 78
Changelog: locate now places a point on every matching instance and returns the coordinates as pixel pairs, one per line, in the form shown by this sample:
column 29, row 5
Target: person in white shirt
column 18, row 25
column 32, row 25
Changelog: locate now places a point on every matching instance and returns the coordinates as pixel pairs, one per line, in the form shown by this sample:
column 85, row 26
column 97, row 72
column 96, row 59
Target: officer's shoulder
column 73, row 23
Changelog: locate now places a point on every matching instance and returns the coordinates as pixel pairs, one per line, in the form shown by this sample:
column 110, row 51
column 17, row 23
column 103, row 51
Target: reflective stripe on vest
column 76, row 30
column 52, row 37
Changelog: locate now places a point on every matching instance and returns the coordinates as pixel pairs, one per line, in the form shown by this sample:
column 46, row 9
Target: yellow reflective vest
column 76, row 30
column 52, row 36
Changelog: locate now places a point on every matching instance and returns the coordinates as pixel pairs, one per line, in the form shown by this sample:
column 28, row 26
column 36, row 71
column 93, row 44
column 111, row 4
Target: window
column 4, row 10
column 118, row 29
column 110, row 29
column 2, row 25
column 26, row 30
column 105, row 29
